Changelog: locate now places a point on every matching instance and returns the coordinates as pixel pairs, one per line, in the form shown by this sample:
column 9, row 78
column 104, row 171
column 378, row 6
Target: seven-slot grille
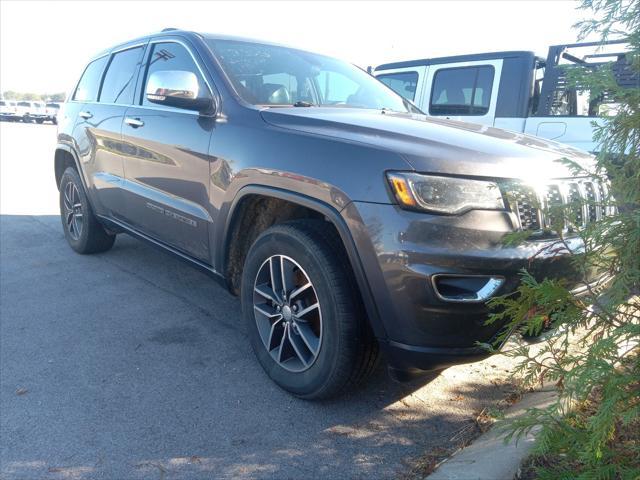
column 571, row 204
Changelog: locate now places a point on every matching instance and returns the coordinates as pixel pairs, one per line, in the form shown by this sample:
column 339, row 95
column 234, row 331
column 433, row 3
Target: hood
column 434, row 145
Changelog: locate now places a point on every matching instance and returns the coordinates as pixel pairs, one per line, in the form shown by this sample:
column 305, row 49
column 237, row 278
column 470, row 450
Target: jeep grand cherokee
column 345, row 220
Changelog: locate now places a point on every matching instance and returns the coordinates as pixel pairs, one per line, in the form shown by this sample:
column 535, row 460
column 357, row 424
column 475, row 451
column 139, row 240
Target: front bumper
column 402, row 252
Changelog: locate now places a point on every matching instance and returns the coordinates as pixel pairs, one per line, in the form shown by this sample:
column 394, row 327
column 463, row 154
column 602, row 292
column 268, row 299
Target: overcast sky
column 44, row 45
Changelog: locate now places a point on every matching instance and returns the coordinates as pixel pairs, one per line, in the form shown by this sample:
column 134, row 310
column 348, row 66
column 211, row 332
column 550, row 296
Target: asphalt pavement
column 131, row 364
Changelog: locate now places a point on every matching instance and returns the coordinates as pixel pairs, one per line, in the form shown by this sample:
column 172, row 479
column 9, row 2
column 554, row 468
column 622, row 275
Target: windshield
column 278, row 76
column 53, row 105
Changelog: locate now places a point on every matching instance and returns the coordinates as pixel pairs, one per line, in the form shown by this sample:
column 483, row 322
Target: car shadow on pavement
column 131, row 364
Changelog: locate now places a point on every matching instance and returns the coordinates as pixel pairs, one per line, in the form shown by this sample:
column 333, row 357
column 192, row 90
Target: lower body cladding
column 430, row 277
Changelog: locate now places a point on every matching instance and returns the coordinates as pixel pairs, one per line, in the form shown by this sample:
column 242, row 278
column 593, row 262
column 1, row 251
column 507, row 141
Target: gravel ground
column 130, row 364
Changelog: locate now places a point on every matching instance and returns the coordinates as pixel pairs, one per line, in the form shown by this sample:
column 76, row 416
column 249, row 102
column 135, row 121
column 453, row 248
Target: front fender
column 330, row 211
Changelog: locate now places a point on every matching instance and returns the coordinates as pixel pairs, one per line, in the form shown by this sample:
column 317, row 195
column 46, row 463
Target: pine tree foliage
column 593, row 355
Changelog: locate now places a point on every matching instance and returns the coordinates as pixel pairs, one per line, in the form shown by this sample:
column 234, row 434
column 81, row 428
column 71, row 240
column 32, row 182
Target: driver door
column 166, row 159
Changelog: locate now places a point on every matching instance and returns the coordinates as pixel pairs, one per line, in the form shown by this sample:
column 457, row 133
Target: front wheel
column 303, row 312
column 81, row 228
column 39, row 120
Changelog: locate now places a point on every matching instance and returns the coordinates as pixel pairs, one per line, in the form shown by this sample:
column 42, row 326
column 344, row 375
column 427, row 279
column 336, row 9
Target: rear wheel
column 303, row 312
column 81, row 228
column 39, row 120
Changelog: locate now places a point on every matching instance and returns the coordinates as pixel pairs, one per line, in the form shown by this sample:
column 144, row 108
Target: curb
column 488, row 457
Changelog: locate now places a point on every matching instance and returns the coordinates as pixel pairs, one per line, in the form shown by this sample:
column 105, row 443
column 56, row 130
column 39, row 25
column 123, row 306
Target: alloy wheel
column 287, row 313
column 73, row 213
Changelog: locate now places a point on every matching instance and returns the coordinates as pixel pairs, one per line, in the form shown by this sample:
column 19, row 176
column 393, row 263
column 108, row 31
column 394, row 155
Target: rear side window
column 403, row 83
column 87, row 89
column 119, row 81
column 24, row 104
column 462, row 91
column 171, row 56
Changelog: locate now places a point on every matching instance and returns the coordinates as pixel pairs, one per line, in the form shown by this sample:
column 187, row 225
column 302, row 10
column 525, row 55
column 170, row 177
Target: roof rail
column 169, row 29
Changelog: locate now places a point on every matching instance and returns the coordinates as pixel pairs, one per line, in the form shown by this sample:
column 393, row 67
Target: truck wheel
column 26, row 119
column 39, row 120
column 54, row 120
column 81, row 228
column 303, row 312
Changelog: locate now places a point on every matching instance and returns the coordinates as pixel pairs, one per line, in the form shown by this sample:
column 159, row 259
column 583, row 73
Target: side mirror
column 177, row 88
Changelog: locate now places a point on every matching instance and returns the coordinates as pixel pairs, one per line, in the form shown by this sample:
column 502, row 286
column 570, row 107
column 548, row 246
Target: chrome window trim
column 168, row 109
column 137, row 102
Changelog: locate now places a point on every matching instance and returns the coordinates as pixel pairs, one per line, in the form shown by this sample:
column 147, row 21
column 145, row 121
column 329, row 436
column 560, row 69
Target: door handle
column 134, row 122
column 85, row 115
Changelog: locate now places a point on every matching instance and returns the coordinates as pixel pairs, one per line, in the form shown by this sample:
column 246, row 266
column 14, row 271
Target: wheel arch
column 319, row 208
column 65, row 157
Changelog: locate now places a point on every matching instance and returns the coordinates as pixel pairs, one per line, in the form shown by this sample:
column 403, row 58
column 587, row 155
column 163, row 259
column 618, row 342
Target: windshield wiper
column 302, row 103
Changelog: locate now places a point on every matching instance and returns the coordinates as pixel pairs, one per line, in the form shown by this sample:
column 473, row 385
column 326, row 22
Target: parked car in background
column 513, row 90
column 52, row 110
column 345, row 219
column 8, row 110
column 29, row 111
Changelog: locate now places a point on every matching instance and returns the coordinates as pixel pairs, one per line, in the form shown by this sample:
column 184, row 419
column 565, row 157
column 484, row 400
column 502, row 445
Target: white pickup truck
column 52, row 110
column 7, row 110
column 28, row 111
column 516, row 90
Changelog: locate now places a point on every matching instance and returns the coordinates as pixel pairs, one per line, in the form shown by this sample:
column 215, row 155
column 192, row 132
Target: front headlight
column 449, row 195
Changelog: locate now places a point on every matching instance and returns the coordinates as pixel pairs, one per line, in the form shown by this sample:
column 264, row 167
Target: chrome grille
column 568, row 204
column 527, row 207
column 591, row 200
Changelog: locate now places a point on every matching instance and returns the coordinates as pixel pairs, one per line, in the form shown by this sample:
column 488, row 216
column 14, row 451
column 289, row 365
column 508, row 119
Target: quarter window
column 462, row 91
column 87, row 89
column 119, row 81
column 171, row 56
column 403, row 83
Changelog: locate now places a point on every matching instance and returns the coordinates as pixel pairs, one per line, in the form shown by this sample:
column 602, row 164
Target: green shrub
column 593, row 356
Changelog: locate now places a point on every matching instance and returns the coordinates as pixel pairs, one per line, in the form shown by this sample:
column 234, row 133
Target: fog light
column 466, row 288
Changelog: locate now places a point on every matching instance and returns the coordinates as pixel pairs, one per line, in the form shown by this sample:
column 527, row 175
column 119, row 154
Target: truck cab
column 514, row 90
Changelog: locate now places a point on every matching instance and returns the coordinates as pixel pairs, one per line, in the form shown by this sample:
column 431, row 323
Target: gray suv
column 347, row 221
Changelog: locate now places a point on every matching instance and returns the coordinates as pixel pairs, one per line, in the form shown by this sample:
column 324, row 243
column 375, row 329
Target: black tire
column 347, row 351
column 54, row 120
column 26, row 119
column 39, row 120
column 84, row 233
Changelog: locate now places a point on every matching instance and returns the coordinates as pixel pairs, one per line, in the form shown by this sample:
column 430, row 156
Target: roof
column 455, row 58
column 186, row 33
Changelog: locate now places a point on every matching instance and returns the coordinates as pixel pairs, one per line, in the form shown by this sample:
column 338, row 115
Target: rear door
column 464, row 91
column 166, row 161
column 106, row 90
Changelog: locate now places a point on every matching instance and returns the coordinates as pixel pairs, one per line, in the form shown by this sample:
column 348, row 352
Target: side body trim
column 110, row 221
